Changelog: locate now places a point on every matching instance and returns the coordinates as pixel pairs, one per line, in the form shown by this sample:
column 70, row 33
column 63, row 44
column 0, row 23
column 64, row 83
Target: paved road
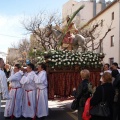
column 58, row 110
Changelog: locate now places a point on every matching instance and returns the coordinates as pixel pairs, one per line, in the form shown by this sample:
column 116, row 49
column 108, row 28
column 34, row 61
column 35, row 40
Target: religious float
column 63, row 68
column 64, row 65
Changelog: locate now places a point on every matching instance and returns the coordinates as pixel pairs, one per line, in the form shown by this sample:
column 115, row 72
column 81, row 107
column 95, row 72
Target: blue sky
column 15, row 7
column 12, row 12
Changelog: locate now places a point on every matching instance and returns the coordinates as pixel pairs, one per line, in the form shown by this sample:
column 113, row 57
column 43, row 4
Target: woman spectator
column 82, row 92
column 108, row 90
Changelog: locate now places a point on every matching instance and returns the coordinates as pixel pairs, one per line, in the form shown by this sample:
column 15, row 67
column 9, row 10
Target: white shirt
column 105, row 71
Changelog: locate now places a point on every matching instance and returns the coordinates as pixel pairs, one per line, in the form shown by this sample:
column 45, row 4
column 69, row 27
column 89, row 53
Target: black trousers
column 115, row 111
column 99, row 118
column 80, row 112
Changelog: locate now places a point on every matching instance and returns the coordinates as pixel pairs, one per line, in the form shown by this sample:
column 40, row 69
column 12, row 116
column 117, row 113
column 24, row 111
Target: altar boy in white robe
column 42, row 93
column 14, row 105
column 3, row 83
column 29, row 94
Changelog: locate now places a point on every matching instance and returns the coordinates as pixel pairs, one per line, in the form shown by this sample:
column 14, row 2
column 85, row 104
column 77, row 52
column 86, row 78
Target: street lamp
column 34, row 49
column 24, row 54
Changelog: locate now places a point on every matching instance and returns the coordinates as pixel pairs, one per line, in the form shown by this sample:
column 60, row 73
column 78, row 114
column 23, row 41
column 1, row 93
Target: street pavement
column 58, row 110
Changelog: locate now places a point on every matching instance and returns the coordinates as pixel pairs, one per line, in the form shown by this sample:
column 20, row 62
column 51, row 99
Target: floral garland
column 61, row 59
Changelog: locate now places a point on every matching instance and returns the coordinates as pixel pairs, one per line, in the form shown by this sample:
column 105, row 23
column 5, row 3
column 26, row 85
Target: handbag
column 85, row 114
column 75, row 104
column 101, row 109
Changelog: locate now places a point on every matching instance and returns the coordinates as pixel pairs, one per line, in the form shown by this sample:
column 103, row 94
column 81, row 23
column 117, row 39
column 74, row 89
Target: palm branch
column 72, row 17
column 74, row 14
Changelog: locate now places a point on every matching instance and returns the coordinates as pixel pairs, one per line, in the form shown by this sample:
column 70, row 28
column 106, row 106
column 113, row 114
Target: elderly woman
column 82, row 92
column 108, row 90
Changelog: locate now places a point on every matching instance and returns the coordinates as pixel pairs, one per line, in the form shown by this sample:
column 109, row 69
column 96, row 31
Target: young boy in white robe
column 29, row 93
column 42, row 93
column 13, row 106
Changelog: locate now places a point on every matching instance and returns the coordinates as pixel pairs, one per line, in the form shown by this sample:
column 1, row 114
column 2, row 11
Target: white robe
column 29, row 95
column 14, row 105
column 3, row 87
column 42, row 95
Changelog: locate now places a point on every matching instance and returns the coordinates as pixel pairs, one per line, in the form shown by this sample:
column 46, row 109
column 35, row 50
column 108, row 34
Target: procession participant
column 114, row 66
column 106, row 68
column 42, row 93
column 3, row 83
column 13, row 106
column 29, row 93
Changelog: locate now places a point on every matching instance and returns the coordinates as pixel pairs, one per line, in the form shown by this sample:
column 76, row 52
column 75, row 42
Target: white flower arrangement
column 68, row 63
column 73, row 59
column 59, row 63
column 96, row 63
column 56, row 64
column 67, row 58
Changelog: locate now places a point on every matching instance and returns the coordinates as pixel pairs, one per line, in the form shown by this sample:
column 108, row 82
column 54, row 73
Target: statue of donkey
column 78, row 39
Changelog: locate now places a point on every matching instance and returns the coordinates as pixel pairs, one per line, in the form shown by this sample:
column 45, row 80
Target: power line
column 10, row 36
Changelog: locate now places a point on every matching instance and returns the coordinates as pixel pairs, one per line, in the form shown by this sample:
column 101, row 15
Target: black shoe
column 29, row 118
column 17, row 118
column 42, row 118
column 7, row 118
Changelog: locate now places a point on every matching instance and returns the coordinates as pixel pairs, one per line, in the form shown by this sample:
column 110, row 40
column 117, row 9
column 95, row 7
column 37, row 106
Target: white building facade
column 88, row 12
column 111, row 43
